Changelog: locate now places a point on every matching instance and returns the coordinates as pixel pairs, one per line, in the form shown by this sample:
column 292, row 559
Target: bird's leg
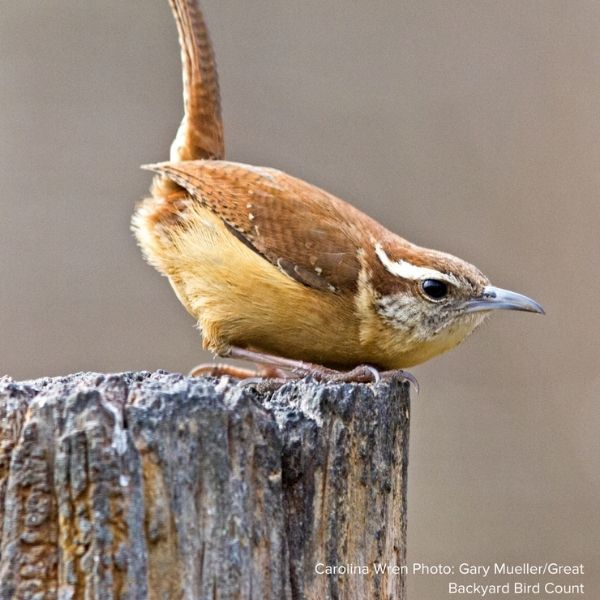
column 286, row 369
column 297, row 368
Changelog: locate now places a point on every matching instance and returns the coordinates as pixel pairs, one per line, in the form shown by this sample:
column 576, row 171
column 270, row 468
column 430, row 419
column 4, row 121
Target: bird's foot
column 222, row 369
column 363, row 374
column 360, row 374
column 278, row 370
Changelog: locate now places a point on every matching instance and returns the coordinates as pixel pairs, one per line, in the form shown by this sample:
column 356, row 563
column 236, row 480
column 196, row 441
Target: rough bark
column 161, row 486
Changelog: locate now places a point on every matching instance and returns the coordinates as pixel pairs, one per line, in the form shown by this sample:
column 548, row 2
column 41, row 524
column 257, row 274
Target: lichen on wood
column 156, row 485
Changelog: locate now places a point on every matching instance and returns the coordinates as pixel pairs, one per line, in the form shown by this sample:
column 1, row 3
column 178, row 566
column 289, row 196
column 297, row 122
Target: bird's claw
column 404, row 375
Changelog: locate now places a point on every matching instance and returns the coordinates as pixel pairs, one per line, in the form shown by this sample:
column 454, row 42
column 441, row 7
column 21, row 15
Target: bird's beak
column 494, row 298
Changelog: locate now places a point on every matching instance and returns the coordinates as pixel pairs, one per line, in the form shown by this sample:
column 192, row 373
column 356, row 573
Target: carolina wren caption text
column 467, row 579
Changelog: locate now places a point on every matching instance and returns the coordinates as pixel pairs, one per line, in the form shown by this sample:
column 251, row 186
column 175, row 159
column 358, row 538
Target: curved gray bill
column 494, row 298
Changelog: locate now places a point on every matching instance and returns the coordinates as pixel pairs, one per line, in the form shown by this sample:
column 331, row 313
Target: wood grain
column 161, row 486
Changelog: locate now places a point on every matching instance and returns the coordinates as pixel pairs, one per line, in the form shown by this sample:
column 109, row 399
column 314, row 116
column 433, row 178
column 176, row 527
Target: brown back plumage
column 306, row 232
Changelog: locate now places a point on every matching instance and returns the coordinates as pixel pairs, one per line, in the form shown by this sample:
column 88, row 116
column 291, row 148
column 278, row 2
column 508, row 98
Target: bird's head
column 435, row 300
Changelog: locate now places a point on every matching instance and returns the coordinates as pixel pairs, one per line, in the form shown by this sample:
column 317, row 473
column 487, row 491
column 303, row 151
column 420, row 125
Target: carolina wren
column 277, row 270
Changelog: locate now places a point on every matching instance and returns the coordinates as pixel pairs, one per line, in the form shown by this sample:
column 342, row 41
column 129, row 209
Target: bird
column 284, row 274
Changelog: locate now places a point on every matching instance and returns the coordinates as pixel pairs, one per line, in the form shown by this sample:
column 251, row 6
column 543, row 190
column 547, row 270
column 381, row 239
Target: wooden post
column 161, row 486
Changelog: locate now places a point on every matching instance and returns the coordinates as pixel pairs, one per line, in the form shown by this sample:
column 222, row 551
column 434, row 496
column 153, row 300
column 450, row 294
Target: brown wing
column 200, row 134
column 306, row 232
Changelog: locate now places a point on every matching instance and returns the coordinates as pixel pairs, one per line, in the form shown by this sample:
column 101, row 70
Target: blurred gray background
column 472, row 127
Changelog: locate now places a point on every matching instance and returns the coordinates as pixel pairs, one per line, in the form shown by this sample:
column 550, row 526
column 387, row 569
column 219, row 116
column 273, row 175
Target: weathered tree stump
column 162, row 486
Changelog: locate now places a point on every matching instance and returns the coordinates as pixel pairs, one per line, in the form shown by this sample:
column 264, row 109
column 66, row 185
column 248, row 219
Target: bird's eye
column 434, row 288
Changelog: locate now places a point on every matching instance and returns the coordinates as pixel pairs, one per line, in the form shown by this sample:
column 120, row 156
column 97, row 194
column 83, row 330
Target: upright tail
column 200, row 134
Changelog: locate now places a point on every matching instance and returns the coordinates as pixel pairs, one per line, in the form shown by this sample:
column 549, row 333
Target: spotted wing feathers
column 307, row 233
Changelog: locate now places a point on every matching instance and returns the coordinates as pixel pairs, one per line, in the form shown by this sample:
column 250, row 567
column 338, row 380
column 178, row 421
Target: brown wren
column 280, row 272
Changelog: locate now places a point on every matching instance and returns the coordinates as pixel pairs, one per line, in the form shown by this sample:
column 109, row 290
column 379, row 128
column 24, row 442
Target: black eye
column 435, row 289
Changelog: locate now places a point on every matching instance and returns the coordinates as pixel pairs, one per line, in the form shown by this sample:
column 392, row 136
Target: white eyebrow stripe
column 406, row 270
